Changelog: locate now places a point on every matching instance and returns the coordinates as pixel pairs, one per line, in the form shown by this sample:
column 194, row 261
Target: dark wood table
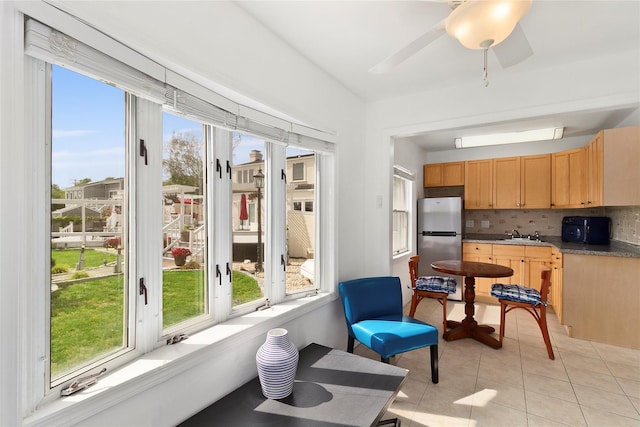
column 332, row 388
column 469, row 327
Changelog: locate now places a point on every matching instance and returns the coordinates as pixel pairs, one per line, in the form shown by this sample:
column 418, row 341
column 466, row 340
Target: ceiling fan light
column 475, row 22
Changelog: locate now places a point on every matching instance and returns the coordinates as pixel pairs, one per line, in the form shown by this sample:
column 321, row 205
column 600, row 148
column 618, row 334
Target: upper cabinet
column 444, row 174
column 522, row 182
column 621, row 174
column 568, row 178
column 478, row 184
column 604, row 173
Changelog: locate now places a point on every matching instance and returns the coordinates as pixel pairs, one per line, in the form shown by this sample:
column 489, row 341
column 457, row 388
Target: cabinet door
column 479, row 252
column 535, row 182
column 556, row 283
column 511, row 256
column 506, row 183
column 433, row 175
column 478, row 184
column 568, row 183
column 536, row 258
column 595, row 160
column 453, row 174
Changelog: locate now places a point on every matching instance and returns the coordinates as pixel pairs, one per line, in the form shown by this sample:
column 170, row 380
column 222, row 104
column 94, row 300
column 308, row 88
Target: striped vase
column 277, row 362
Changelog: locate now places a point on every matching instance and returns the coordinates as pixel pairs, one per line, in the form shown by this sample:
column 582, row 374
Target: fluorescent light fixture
column 509, row 137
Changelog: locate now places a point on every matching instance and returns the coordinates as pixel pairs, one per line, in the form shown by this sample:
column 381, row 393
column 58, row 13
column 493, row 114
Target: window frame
column 409, row 181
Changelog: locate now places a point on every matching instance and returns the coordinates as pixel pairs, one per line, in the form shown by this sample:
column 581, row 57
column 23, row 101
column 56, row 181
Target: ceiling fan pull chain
column 485, row 75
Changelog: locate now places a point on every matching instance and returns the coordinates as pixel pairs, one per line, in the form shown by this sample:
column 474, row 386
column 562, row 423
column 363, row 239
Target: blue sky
column 88, row 130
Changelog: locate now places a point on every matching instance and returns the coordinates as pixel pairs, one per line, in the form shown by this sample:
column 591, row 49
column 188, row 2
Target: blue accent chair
column 373, row 311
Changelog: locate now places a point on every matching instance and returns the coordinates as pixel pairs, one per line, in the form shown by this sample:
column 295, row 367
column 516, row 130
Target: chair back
column 545, row 284
column 370, row 298
column 413, row 270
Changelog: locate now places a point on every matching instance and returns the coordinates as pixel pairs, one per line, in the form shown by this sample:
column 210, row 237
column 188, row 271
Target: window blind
column 177, row 93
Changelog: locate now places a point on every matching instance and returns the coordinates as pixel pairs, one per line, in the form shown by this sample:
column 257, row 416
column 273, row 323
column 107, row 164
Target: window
column 139, row 179
column 402, row 199
column 298, row 172
column 89, row 235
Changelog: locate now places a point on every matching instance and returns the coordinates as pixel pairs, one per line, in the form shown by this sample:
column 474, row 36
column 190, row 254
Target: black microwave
column 586, row 229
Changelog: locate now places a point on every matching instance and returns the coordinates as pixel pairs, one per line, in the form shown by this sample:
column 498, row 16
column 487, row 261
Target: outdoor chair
column 373, row 312
column 529, row 299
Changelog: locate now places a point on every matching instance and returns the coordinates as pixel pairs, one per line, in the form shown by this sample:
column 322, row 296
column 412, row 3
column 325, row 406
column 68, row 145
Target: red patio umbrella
column 244, row 214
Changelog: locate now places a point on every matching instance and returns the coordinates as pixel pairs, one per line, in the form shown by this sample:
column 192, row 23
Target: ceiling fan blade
column 410, row 49
column 514, row 49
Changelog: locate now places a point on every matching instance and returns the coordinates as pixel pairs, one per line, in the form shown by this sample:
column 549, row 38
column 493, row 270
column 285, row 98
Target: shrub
column 60, row 268
column 80, row 275
column 191, row 265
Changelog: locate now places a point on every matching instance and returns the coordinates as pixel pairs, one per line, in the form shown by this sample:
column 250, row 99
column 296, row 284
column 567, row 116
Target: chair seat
column 517, row 293
column 436, row 284
column 394, row 334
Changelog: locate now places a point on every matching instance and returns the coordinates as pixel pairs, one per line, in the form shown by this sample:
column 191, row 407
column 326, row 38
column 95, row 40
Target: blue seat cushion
column 394, row 334
column 436, row 284
column 517, row 293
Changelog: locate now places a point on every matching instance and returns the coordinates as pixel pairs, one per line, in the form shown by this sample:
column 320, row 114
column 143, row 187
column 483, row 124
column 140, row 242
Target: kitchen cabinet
column 479, row 252
column 556, row 283
column 522, row 182
column 511, row 256
column 595, row 159
column 600, row 299
column 478, row 184
column 536, row 258
column 621, row 173
column 568, row 179
column 444, row 174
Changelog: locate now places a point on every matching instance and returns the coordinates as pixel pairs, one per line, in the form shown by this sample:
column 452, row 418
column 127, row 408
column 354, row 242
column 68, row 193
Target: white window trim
column 165, row 362
column 410, row 177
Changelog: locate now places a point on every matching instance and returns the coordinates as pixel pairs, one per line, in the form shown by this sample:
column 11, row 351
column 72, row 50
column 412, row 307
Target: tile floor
column 588, row 384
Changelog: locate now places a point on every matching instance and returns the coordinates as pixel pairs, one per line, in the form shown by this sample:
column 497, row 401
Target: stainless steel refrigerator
column 440, row 236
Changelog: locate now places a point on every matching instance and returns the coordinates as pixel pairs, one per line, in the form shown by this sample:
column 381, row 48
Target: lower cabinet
column 525, row 261
column 556, row 283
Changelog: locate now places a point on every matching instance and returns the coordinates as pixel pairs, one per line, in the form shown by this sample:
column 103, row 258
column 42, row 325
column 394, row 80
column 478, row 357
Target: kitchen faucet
column 515, row 233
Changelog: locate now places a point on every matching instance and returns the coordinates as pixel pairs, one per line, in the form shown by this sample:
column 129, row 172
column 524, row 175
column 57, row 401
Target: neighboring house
column 106, row 189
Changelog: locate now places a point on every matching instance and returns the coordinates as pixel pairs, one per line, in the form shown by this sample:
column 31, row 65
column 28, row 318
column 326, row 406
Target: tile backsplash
column 625, row 221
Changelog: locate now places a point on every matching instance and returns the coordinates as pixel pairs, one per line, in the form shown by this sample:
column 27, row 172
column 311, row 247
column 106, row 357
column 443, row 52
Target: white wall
column 242, row 59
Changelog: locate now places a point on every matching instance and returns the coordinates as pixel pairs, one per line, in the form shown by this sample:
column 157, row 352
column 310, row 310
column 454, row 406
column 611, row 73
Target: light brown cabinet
column 511, row 256
column 595, row 159
column 479, row 252
column 478, row 184
column 621, row 173
column 444, row 174
column 568, row 179
column 522, row 182
column 556, row 283
column 536, row 259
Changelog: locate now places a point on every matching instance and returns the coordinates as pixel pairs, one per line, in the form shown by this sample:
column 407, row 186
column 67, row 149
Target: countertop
column 614, row 248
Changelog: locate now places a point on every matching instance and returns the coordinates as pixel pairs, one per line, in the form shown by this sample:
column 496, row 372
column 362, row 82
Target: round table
column 469, row 327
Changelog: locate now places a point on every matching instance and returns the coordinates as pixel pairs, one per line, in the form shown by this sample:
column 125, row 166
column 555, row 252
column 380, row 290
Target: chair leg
column 350, row 344
column 434, row 363
column 384, row 360
column 415, row 299
column 545, row 331
column 395, row 422
column 503, row 308
column 444, row 314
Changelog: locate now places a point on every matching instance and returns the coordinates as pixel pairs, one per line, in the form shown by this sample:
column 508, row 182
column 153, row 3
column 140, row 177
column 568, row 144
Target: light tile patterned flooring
column 588, row 384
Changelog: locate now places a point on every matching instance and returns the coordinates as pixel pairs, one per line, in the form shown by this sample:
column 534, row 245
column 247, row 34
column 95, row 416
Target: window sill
column 169, row 361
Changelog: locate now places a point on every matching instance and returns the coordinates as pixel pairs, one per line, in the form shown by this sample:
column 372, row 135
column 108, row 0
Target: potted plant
column 180, row 255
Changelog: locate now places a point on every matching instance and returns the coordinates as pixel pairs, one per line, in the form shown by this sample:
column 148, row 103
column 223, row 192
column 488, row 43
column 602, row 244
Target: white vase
column 277, row 362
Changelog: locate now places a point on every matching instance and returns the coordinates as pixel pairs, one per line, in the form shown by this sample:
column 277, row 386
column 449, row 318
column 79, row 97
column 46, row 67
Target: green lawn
column 87, row 318
column 92, row 258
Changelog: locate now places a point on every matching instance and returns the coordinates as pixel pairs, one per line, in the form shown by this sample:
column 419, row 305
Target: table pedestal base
column 469, row 328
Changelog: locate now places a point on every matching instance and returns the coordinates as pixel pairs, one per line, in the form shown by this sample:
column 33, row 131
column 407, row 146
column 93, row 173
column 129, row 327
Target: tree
column 57, row 193
column 83, row 181
column 183, row 163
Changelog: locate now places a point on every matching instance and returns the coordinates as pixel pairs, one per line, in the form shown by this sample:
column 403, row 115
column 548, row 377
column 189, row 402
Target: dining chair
column 437, row 287
column 530, row 299
column 373, row 312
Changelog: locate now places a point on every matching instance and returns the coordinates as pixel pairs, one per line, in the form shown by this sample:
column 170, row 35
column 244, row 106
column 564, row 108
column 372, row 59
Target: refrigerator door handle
column 439, row 233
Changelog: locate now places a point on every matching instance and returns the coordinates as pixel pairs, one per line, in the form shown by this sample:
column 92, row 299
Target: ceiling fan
column 476, row 24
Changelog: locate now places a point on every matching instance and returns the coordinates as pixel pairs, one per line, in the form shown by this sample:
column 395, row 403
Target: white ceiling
column 347, row 38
